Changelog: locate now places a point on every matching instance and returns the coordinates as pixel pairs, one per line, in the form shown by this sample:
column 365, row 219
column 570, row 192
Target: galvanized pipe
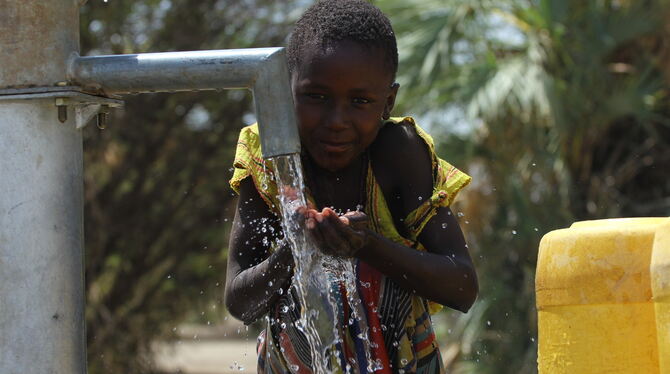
column 263, row 70
column 170, row 71
column 41, row 199
column 41, row 240
column 36, row 39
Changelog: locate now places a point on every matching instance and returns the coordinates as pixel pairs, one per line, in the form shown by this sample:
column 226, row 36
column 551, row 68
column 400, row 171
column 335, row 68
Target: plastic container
column 596, row 306
column 660, row 286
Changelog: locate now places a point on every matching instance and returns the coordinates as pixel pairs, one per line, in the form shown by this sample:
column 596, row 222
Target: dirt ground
column 207, row 357
column 224, row 349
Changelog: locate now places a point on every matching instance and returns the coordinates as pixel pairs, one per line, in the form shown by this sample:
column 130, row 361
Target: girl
column 411, row 257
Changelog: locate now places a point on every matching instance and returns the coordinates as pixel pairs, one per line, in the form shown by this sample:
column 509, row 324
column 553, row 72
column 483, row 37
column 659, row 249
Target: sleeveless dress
column 398, row 322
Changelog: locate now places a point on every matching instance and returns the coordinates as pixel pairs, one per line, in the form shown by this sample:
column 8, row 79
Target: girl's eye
column 316, row 96
column 360, row 100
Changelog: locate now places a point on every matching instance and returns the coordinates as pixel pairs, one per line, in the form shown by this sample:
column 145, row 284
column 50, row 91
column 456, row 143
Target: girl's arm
column 445, row 273
column 254, row 278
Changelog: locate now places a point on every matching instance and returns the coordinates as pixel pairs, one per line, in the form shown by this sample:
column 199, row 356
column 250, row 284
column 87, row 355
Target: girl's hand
column 341, row 236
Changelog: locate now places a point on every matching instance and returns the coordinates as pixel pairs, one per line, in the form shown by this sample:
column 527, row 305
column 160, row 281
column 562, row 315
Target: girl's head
column 343, row 59
column 329, row 22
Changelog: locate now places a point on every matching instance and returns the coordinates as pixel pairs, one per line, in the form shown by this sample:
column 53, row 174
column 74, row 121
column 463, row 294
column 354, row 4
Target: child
column 410, row 253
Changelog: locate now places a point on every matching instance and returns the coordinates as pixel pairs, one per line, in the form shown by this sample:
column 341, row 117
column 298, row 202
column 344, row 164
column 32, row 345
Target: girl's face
column 340, row 97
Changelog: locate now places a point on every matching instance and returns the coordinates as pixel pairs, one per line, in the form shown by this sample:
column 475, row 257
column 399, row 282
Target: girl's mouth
column 335, row 147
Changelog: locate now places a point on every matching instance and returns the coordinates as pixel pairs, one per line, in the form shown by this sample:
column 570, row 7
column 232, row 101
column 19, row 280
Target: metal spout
column 263, row 70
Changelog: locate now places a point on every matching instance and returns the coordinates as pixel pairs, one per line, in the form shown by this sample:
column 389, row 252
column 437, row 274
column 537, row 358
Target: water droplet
column 270, row 284
column 536, row 229
column 403, row 361
column 420, row 198
column 513, row 232
column 169, row 276
column 460, row 214
column 444, row 225
column 488, row 323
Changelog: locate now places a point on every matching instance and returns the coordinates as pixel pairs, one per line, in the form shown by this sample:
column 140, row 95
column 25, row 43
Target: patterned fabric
column 398, row 322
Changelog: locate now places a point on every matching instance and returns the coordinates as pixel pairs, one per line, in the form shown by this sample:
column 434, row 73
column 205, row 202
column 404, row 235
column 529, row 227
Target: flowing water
column 314, row 274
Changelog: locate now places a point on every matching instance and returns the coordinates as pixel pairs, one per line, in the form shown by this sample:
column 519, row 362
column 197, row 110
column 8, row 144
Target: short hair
column 330, row 21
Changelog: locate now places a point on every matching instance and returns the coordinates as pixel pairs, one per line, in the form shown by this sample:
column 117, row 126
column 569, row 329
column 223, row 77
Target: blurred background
column 559, row 109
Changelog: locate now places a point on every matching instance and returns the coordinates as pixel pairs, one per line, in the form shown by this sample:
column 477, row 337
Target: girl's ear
column 390, row 101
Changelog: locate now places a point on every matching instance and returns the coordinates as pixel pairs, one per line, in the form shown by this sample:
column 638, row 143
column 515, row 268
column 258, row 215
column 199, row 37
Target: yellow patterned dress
column 398, row 322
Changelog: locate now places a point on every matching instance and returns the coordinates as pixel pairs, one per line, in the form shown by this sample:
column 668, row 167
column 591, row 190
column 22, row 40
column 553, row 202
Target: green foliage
column 567, row 103
column 156, row 179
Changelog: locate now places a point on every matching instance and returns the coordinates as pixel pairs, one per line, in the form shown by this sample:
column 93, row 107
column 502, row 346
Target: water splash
column 314, row 275
column 317, row 319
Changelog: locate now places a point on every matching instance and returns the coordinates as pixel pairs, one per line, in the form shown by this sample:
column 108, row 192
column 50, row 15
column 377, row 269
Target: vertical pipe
column 41, row 232
column 274, row 108
column 36, row 39
column 41, row 196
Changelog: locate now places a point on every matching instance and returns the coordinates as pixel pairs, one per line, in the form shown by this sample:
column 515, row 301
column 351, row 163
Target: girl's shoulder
column 398, row 131
column 402, row 150
column 404, row 158
column 249, row 163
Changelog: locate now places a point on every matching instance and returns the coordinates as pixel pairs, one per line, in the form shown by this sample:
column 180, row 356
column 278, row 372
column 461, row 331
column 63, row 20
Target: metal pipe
column 170, row 71
column 36, row 39
column 263, row 70
column 41, row 195
column 41, row 240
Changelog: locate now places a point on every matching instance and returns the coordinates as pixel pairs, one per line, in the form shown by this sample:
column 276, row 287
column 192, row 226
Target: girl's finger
column 337, row 235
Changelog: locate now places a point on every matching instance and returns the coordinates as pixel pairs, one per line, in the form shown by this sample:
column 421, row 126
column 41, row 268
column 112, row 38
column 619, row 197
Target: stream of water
column 314, row 276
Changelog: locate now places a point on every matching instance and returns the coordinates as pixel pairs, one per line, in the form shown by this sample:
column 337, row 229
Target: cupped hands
column 335, row 235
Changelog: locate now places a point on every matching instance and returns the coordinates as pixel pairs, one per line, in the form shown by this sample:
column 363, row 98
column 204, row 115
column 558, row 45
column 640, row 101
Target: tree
column 569, row 108
column 156, row 180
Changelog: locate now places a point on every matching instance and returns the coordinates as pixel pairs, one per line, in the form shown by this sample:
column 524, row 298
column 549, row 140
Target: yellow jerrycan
column 603, row 298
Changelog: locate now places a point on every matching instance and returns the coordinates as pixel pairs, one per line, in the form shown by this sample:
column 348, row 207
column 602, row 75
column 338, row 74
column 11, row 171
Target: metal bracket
column 85, row 105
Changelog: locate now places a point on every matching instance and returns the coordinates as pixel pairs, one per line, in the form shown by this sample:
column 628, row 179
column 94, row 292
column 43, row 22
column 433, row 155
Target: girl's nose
column 338, row 117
